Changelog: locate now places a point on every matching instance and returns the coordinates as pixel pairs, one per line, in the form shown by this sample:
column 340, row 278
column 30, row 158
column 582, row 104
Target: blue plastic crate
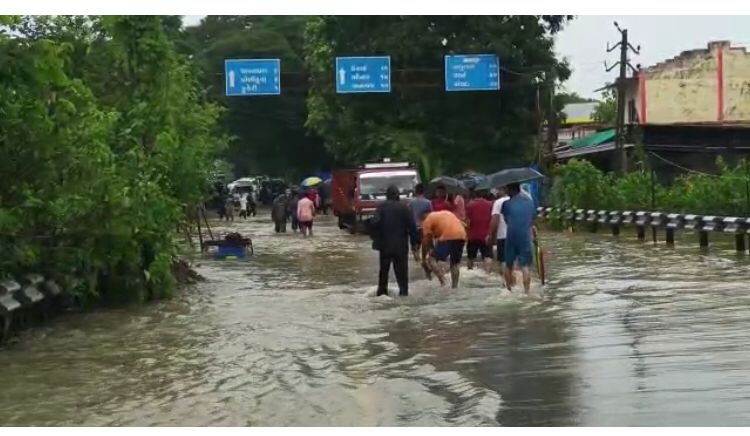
column 231, row 251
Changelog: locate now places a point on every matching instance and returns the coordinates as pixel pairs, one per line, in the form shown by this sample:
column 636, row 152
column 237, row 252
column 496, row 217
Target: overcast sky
column 584, row 42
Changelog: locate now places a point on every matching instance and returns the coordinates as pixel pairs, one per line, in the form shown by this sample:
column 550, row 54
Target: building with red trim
column 697, row 87
column 688, row 109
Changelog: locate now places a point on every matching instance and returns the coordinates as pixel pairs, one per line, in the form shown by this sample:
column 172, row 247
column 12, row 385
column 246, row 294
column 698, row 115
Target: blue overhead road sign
column 363, row 74
column 252, row 77
column 472, row 72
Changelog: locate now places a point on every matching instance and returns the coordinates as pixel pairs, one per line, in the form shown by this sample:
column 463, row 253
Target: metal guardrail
column 23, row 302
column 669, row 222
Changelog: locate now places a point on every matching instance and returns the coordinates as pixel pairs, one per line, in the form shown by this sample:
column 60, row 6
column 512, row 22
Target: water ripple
column 626, row 333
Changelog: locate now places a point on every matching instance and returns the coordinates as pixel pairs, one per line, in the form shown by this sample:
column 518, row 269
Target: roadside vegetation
column 580, row 185
column 106, row 141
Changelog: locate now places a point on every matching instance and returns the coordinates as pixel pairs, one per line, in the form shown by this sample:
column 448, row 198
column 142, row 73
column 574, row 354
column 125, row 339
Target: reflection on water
column 626, row 334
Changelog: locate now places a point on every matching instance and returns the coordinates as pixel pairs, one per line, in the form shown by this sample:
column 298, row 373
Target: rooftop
column 712, row 46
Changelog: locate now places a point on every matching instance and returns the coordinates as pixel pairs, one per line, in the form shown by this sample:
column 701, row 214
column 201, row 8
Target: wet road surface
column 625, row 334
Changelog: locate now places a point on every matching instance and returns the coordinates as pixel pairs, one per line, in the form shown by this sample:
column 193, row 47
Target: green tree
column 269, row 133
column 571, row 97
column 419, row 121
column 109, row 143
column 606, row 111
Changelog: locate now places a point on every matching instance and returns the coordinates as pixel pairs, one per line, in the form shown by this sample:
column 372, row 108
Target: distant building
column 688, row 109
column 578, row 121
column 578, row 131
column 709, row 85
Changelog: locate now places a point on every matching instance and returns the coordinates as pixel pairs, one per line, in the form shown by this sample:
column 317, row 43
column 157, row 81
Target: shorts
column 518, row 247
column 500, row 250
column 478, row 246
column 305, row 225
column 453, row 249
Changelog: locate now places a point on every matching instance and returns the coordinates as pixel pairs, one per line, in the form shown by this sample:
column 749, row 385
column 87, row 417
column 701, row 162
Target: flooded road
column 626, row 334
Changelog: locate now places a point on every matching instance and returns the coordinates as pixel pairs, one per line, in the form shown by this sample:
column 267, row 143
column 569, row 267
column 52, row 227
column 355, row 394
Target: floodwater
column 625, row 334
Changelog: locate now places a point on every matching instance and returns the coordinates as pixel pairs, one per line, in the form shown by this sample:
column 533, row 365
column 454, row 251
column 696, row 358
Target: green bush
column 722, row 194
column 105, row 143
column 578, row 184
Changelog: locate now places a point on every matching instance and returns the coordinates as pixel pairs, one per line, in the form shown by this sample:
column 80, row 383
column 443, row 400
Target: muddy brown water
column 625, row 334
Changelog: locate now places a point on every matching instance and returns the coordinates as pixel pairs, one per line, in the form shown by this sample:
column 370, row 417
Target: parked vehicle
column 356, row 193
column 251, row 185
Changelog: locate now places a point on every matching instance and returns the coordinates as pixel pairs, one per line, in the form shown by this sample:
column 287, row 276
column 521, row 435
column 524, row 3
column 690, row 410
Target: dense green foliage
column 579, row 184
column 606, row 111
column 111, row 126
column 269, row 132
column 564, row 98
column 106, row 141
column 444, row 132
column 309, row 127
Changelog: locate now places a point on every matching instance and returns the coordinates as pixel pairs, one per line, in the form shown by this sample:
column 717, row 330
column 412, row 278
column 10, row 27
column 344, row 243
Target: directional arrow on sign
column 249, row 77
column 360, row 74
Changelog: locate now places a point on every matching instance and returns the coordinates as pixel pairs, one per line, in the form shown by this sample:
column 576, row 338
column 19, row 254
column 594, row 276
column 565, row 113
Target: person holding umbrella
column 440, row 200
column 448, row 196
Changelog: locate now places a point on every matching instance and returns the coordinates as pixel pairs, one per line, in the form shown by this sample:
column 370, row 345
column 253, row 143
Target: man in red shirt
column 478, row 218
column 440, row 200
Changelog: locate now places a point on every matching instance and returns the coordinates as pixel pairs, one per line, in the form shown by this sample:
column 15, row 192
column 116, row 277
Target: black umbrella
column 511, row 175
column 473, row 181
column 452, row 185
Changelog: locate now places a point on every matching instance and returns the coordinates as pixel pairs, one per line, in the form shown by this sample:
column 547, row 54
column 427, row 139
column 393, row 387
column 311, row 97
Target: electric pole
column 621, row 87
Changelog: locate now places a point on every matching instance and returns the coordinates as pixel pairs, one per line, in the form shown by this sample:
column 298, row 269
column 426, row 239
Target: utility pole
column 621, row 84
column 551, row 139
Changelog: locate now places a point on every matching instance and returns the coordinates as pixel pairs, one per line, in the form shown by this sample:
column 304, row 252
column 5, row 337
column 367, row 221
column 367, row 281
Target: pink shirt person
column 460, row 207
column 305, row 210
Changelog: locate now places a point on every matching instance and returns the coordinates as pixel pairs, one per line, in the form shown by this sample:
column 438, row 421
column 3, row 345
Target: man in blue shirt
column 519, row 213
column 420, row 206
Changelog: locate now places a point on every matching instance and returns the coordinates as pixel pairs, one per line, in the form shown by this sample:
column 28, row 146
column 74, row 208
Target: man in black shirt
column 392, row 230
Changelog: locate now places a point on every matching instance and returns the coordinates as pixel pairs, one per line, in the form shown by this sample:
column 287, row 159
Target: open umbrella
column 452, row 185
column 511, row 175
column 311, row 181
column 472, row 181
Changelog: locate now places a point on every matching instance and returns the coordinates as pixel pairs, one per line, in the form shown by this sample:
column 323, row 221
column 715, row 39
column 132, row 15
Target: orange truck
column 356, row 193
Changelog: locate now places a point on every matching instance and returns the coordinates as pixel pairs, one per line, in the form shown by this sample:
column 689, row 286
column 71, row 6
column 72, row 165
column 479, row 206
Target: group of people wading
column 437, row 230
column 299, row 208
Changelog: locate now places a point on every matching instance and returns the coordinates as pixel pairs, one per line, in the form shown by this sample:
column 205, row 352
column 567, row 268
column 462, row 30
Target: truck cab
column 356, row 193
